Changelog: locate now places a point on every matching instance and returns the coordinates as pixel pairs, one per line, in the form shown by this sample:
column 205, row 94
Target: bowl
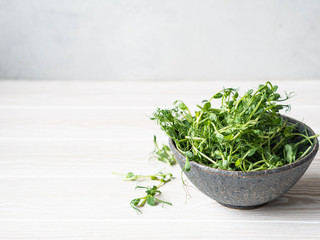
column 247, row 190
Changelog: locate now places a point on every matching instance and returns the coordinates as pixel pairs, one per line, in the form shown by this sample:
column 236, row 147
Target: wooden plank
column 75, row 123
column 72, row 197
column 146, row 94
column 140, row 229
column 96, row 123
column 78, row 158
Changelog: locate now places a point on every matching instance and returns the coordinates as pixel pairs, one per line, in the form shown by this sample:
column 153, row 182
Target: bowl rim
column 309, row 157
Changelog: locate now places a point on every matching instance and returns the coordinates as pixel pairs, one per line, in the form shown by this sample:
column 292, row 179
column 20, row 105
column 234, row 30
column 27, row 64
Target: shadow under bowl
column 247, row 190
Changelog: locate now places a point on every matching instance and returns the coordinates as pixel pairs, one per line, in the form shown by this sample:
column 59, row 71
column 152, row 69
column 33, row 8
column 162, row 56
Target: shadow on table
column 304, row 195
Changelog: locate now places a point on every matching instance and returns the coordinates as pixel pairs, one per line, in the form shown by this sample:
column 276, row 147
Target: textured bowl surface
column 247, row 190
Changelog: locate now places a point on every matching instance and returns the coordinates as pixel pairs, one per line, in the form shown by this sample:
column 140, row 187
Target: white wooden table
column 61, row 140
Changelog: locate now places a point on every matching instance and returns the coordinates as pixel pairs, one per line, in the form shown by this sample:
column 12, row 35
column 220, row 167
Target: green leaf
column 275, row 97
column 230, row 104
column 164, row 153
column 131, row 176
column 218, row 95
column 188, row 154
column 151, row 201
column 238, row 162
column 275, row 88
column 207, row 106
column 259, row 111
column 258, row 132
column 166, row 148
column 182, row 106
column 213, row 117
column 219, row 136
column 251, row 152
column 187, row 166
column 228, row 137
column 135, row 201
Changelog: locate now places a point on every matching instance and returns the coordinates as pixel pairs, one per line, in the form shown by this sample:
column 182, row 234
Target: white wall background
column 160, row 39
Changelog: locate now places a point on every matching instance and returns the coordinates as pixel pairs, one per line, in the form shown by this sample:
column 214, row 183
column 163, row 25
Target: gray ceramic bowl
column 247, row 190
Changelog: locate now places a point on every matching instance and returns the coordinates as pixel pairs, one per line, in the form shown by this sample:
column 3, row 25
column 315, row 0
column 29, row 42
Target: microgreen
column 149, row 198
column 163, row 154
column 162, row 177
column 246, row 133
column 151, row 192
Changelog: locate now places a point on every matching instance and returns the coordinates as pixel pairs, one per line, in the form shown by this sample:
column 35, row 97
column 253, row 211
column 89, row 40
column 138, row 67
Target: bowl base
column 243, row 207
